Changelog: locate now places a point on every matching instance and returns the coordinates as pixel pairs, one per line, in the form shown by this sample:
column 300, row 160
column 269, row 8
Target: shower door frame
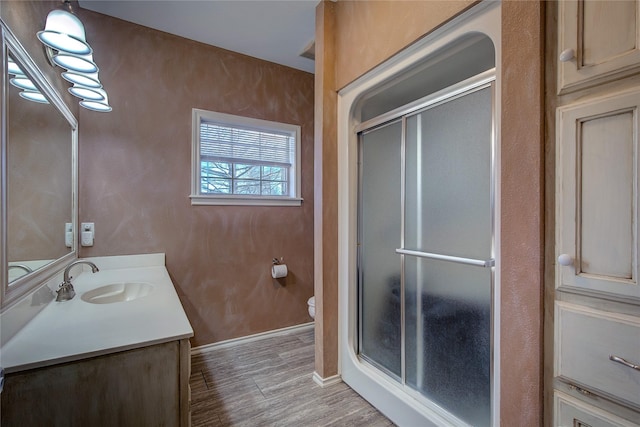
column 485, row 80
column 384, row 393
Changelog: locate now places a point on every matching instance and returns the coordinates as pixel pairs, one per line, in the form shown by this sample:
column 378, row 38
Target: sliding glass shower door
column 381, row 230
column 426, row 243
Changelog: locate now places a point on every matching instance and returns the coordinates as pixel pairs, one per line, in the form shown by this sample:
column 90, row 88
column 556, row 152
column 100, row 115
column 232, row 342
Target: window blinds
column 235, row 144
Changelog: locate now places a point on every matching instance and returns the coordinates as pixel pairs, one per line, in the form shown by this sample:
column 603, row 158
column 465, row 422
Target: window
column 244, row 161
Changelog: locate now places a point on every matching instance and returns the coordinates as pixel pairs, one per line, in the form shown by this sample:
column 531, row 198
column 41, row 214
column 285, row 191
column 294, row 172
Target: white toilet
column 311, row 302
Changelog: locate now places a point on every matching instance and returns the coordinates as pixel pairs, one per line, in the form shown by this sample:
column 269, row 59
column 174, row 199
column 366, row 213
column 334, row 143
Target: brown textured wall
column 522, row 219
column 551, row 102
column 326, row 186
column 369, row 32
column 366, row 34
column 135, row 171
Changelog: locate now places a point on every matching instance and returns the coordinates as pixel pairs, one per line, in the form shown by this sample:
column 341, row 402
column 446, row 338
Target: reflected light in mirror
column 23, row 83
column 14, row 69
column 63, row 31
column 34, row 96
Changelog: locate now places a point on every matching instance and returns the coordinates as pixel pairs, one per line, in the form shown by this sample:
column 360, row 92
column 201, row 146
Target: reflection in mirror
column 39, row 197
column 38, row 178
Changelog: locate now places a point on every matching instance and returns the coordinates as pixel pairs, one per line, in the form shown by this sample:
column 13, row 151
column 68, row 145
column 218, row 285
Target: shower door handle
column 460, row 260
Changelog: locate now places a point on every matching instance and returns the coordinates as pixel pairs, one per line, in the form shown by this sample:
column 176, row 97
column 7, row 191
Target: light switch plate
column 87, row 226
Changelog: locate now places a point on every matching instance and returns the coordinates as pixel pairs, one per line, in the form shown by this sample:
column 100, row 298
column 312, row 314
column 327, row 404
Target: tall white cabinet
column 596, row 316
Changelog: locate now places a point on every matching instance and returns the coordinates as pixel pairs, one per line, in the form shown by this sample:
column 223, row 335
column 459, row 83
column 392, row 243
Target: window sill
column 199, row 199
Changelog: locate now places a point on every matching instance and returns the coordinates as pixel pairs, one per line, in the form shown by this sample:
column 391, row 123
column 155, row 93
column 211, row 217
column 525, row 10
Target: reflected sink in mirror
column 118, row 292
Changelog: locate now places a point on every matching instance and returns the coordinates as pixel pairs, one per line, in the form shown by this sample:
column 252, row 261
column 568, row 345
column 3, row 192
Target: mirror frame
column 9, row 295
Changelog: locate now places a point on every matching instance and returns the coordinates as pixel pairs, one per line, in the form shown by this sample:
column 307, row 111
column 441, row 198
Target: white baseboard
column 241, row 340
column 324, row 382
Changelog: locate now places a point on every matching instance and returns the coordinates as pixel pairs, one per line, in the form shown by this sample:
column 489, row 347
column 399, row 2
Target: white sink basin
column 118, row 292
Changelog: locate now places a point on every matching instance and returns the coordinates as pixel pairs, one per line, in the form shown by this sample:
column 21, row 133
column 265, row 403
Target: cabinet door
column 597, row 196
column 604, row 37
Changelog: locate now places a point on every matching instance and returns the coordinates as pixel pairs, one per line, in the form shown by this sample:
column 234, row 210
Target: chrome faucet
column 66, row 291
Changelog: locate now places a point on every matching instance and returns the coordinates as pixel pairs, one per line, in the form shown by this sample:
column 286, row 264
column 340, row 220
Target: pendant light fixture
column 100, row 106
column 78, row 63
column 64, row 32
column 66, row 45
column 83, row 79
column 86, row 93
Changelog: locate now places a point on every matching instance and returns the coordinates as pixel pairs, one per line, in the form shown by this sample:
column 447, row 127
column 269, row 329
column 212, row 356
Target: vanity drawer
column 571, row 412
column 586, row 338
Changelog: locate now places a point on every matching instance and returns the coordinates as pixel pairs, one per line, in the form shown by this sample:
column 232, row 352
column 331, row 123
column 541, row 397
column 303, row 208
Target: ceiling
column 274, row 30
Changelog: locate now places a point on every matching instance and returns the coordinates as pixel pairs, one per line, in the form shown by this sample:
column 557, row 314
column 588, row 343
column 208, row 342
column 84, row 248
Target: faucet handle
column 65, row 291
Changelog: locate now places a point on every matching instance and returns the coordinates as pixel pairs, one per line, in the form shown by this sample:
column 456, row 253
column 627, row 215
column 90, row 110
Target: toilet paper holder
column 279, row 269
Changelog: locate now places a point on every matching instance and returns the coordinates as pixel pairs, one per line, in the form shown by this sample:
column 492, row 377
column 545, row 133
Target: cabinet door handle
column 624, row 362
column 567, row 55
column 565, row 259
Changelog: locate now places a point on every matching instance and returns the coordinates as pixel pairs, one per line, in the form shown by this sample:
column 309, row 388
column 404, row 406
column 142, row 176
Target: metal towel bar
column 449, row 258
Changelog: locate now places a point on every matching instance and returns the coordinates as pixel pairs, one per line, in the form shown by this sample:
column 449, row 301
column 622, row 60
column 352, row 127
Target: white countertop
column 75, row 329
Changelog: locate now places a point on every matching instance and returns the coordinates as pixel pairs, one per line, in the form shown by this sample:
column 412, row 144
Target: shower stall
column 425, row 248
column 420, row 289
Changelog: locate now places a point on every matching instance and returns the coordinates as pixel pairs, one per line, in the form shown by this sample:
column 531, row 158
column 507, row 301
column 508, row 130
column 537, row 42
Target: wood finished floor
column 268, row 383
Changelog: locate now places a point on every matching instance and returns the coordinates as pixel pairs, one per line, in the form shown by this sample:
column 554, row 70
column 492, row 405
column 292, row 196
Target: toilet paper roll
column 279, row 271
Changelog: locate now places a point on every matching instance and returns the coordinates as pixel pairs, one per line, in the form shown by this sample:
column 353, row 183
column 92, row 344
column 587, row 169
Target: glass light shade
column 34, row 96
column 101, row 106
column 78, row 63
column 23, row 83
column 83, row 79
column 87, row 93
column 13, row 68
column 63, row 31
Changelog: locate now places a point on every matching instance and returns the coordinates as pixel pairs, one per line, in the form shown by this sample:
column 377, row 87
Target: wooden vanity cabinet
column 147, row 386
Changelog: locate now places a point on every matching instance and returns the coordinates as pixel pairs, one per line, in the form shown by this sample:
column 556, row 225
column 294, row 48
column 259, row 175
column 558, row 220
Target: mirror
column 39, row 136
column 38, row 181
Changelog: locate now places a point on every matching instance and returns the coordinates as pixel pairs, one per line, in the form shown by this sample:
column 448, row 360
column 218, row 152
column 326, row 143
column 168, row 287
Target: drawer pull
column 580, row 390
column 624, row 362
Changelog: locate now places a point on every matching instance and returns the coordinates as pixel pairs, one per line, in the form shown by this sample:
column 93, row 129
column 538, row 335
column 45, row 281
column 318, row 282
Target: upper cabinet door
column 597, row 196
column 598, row 41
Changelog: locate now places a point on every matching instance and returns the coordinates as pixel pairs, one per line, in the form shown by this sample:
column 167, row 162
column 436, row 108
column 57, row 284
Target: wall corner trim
column 325, row 382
